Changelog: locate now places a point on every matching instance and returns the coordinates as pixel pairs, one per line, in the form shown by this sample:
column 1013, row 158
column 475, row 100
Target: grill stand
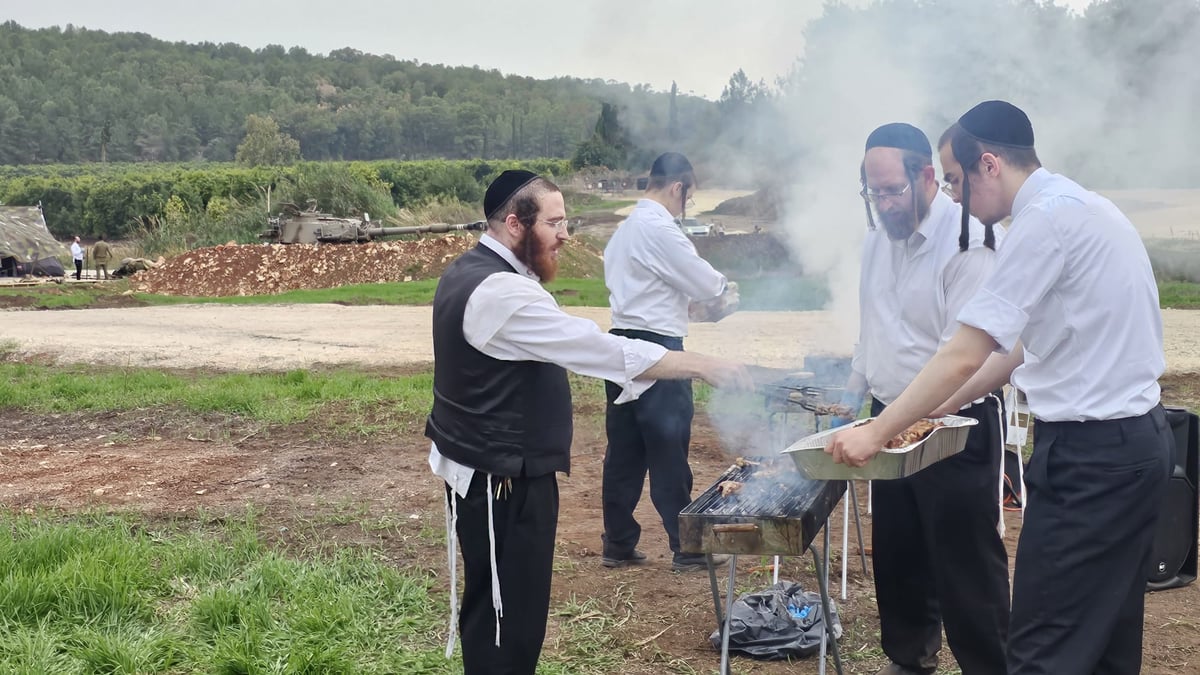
column 820, row 554
column 724, row 619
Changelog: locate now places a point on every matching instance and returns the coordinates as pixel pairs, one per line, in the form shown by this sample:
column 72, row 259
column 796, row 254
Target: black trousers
column 938, row 558
column 1095, row 491
column 648, row 435
column 78, row 269
column 525, row 522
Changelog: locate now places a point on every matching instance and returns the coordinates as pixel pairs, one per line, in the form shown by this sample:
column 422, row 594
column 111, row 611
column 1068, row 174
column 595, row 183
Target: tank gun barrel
column 438, row 228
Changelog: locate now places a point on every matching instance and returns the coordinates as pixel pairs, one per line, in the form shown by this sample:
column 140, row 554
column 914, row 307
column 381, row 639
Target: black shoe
column 685, row 562
column 636, row 557
column 897, row 669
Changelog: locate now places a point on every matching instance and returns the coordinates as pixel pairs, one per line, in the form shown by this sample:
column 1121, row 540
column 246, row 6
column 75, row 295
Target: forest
column 105, row 128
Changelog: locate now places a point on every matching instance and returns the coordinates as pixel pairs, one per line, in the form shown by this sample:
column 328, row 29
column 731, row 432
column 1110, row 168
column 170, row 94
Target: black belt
column 669, row 341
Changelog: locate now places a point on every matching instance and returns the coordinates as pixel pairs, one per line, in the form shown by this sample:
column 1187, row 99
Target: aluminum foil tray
column 809, row 453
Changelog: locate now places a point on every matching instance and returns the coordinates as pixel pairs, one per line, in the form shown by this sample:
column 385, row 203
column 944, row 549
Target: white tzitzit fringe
column 497, row 603
column 1000, row 478
column 452, row 554
column 1015, row 414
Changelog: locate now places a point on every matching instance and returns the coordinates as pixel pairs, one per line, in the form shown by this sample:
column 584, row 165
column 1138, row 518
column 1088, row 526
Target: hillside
column 77, row 95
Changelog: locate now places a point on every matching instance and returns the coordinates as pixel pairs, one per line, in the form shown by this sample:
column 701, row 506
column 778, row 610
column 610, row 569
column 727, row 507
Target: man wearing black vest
column 501, row 422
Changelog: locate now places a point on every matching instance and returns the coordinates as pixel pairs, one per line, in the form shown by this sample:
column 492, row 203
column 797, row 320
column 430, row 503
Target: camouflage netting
column 267, row 269
column 23, row 235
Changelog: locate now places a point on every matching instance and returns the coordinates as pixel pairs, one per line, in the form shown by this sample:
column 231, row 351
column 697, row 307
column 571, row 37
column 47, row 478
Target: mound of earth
column 268, row 269
column 759, row 206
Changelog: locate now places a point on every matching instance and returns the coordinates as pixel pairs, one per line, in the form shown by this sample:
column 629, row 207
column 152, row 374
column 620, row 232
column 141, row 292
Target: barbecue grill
column 776, row 512
column 785, row 391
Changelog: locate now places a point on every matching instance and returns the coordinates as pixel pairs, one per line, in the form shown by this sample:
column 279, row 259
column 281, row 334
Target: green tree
column 266, row 145
column 607, row 146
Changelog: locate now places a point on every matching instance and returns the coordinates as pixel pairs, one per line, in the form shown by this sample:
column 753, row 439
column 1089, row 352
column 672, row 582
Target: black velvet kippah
column 900, row 135
column 998, row 123
column 670, row 164
column 504, row 187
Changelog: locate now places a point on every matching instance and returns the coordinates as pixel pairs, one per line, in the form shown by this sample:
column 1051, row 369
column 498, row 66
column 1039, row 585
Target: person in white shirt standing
column 654, row 274
column 77, row 256
column 501, row 422
column 938, row 556
column 1072, row 307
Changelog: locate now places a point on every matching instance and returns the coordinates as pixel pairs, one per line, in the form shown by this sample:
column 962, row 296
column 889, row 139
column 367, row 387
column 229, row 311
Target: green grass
column 289, row 397
column 758, row 294
column 1179, row 295
column 55, row 296
column 103, row 594
column 774, row 294
column 398, row 293
column 579, row 203
column 588, row 292
column 98, row 593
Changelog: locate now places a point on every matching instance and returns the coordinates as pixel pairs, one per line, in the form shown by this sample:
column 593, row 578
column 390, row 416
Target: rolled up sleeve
column 1031, row 260
column 995, row 316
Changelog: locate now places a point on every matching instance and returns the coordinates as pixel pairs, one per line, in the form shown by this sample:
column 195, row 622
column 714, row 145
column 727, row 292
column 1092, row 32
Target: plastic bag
column 783, row 621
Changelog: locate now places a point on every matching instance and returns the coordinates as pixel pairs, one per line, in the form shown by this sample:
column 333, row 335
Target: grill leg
column 845, row 537
column 712, row 580
column 728, row 616
column 862, row 549
column 823, row 585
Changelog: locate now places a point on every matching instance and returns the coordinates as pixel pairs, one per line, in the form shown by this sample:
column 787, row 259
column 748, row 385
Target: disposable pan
column 945, row 441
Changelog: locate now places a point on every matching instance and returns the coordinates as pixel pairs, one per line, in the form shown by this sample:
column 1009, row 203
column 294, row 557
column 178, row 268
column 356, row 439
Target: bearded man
column 501, row 422
column 938, row 556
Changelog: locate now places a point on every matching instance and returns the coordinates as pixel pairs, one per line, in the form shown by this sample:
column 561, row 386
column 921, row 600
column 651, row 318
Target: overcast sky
column 698, row 43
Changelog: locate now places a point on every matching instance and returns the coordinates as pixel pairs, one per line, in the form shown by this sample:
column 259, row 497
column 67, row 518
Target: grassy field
column 762, row 294
column 111, row 594
column 569, row 292
column 92, row 593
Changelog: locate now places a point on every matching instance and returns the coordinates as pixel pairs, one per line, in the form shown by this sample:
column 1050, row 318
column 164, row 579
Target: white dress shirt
column 511, row 317
column 910, row 292
column 1073, row 282
column 653, row 272
column 76, row 251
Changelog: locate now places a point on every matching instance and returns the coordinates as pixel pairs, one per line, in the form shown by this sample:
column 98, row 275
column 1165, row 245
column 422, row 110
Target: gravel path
column 282, row 337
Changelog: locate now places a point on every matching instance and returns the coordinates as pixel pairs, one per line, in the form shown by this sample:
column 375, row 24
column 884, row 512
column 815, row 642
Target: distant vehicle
column 314, row 227
column 693, row 227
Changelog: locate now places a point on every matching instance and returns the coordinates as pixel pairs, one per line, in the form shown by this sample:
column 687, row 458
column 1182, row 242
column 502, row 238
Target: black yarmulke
column 505, row 186
column 902, row 136
column 998, row 123
column 670, row 164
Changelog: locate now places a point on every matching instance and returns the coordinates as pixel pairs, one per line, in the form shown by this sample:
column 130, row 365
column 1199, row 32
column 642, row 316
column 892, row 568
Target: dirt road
column 282, row 337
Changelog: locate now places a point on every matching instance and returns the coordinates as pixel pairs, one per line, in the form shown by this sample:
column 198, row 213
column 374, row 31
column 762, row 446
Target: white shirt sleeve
column 964, row 276
column 512, row 318
column 670, row 255
column 1029, row 263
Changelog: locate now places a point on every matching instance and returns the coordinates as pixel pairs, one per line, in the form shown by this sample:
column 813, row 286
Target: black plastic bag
column 780, row 622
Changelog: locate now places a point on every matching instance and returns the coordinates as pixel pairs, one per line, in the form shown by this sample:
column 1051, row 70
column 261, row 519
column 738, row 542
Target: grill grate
column 787, row 508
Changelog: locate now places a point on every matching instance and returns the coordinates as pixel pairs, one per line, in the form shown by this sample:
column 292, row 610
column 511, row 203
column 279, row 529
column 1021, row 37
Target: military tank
column 310, row 226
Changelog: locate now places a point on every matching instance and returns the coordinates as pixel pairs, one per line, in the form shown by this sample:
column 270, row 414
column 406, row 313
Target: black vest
column 508, row 418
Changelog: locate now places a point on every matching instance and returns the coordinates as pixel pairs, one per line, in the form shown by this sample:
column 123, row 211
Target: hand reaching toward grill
column 855, row 446
column 724, row 374
column 718, row 372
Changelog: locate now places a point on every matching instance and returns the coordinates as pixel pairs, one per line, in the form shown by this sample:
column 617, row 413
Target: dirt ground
column 308, row 484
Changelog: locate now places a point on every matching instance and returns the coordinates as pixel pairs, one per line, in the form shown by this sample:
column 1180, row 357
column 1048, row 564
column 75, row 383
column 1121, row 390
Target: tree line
column 72, row 95
column 1113, row 93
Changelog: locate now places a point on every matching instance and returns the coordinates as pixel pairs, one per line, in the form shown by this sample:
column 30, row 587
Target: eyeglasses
column 948, row 190
column 690, row 202
column 876, row 196
column 559, row 225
